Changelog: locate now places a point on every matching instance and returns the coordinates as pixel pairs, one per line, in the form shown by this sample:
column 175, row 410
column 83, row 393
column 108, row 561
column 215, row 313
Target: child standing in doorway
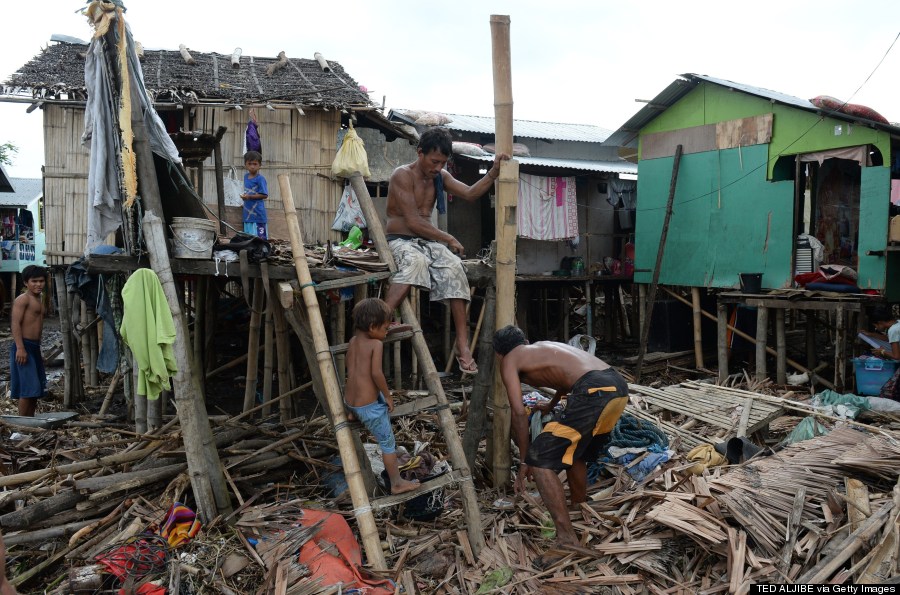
column 256, row 191
column 366, row 393
column 27, row 379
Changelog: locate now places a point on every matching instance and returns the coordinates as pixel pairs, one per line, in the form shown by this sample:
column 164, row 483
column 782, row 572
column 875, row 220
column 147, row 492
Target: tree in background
column 6, row 152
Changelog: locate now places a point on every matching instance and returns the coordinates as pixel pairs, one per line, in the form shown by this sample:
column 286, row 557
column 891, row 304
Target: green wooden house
column 759, row 169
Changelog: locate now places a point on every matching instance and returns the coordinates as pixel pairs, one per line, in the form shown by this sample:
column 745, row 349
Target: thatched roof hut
column 301, row 104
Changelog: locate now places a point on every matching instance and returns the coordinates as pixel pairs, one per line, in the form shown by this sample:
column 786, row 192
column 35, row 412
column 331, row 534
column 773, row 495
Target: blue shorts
column 375, row 417
column 260, row 230
column 27, row 381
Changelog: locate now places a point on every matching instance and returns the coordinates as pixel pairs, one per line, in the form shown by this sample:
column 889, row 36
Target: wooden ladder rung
column 429, row 486
column 342, row 347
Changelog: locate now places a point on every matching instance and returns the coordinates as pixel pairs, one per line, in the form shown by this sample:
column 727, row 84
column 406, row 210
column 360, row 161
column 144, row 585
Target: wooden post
column 204, row 467
column 200, row 312
column 398, row 368
column 363, row 512
column 253, row 346
column 762, row 339
column 268, row 352
column 340, row 331
column 414, row 361
column 432, row 380
column 283, row 348
column 507, row 190
column 651, row 298
column 72, row 386
column 812, row 357
column 780, row 347
column 698, row 328
column 93, row 347
column 840, row 342
column 477, row 420
column 722, row 343
column 84, row 339
column 220, row 178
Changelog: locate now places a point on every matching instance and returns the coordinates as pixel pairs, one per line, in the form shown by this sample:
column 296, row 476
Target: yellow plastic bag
column 351, row 157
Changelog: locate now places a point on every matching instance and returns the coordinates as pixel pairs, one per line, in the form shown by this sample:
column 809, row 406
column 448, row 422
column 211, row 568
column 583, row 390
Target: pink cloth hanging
column 547, row 208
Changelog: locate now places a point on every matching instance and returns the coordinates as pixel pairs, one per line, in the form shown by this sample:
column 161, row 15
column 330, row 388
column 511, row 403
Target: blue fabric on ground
column 28, row 380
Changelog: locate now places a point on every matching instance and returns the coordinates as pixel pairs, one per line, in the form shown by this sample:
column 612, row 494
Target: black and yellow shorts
column 594, row 405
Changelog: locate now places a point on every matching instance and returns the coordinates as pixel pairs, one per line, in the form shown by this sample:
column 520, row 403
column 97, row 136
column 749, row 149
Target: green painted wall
column 715, row 235
column 794, row 130
column 747, row 226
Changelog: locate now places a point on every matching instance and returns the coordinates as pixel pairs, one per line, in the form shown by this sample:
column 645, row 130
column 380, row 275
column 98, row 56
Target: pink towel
column 547, row 209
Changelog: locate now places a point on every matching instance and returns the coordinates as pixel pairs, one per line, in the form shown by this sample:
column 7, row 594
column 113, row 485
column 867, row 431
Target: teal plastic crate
column 872, row 373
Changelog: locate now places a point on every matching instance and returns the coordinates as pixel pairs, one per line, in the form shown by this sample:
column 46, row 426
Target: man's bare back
column 551, row 364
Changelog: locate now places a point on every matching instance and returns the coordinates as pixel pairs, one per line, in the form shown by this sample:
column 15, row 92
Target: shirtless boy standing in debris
column 27, row 379
column 597, row 395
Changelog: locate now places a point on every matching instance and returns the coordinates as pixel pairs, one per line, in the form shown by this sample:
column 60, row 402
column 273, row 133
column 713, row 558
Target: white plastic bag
column 233, row 190
column 349, row 213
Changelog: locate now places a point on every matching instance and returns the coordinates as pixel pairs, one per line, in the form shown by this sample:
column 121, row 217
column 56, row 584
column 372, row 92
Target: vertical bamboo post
column 209, row 329
column 780, row 347
column 204, row 467
column 654, row 285
column 432, row 380
column 840, row 344
column 762, row 339
column 507, row 186
column 93, row 347
column 398, row 367
column 202, row 285
column 268, row 353
column 698, row 327
column 72, row 385
column 139, row 405
column 253, row 346
column 367, row 529
column 722, row 342
column 414, row 363
column 340, row 331
column 812, row 357
column 477, row 420
column 84, row 340
column 283, row 349
column 154, row 413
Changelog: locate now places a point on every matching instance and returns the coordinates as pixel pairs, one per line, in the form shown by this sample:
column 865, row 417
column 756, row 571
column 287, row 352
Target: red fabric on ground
column 344, row 568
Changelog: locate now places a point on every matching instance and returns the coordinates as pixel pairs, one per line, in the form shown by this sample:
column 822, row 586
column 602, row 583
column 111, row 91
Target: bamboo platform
column 713, row 405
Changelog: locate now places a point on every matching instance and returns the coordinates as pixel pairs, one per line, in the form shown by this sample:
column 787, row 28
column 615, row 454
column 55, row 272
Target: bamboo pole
column 253, row 346
column 204, row 467
column 283, row 350
column 654, row 284
column 73, row 387
column 220, row 178
column 780, row 348
column 698, row 328
column 93, row 350
column 744, row 335
column 432, row 380
column 200, row 313
column 477, row 419
column 507, row 189
column 722, row 340
column 268, row 352
column 362, row 510
column 762, row 339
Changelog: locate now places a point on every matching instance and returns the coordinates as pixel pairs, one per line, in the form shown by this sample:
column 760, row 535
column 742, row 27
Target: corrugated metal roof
column 525, row 128
column 26, row 190
column 626, row 135
column 617, row 167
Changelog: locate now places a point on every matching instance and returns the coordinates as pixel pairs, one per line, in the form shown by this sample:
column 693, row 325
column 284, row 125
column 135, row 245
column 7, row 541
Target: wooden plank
column 755, row 130
column 697, row 139
column 426, row 488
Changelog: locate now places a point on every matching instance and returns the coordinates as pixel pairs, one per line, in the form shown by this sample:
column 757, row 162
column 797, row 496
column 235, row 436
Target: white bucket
column 194, row 238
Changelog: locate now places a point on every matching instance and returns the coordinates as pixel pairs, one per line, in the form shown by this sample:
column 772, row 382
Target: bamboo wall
column 301, row 146
column 65, row 183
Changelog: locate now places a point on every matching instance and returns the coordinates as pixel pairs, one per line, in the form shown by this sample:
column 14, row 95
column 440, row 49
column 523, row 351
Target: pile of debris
column 822, row 510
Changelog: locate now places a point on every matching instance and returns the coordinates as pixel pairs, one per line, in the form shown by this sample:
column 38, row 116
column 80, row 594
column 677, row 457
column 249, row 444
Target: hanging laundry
column 252, row 136
column 547, row 209
column 148, row 329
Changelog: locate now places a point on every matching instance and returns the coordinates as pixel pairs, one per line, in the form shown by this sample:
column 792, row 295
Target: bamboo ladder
column 363, row 507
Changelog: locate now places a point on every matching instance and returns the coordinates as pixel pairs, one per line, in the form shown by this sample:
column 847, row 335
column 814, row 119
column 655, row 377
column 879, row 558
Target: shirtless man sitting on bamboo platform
column 426, row 256
column 597, row 395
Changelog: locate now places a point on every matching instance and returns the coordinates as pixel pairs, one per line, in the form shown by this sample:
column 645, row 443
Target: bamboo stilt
column 698, row 328
column 363, row 512
column 72, row 387
column 253, row 346
column 780, row 348
column 268, row 353
column 283, row 349
column 198, row 339
column 762, row 338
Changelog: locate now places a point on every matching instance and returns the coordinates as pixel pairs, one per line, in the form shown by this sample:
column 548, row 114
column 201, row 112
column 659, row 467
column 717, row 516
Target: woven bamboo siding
column 301, row 146
column 65, row 183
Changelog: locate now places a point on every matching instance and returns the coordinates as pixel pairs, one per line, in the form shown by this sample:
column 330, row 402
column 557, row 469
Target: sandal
column 472, row 368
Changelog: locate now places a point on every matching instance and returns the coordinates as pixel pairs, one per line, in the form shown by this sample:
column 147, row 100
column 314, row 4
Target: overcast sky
column 572, row 60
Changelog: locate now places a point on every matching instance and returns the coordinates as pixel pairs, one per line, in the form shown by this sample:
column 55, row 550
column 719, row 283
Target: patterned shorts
column 430, row 265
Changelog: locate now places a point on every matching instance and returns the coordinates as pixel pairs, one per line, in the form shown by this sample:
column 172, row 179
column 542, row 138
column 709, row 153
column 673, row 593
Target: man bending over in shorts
column 597, row 395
